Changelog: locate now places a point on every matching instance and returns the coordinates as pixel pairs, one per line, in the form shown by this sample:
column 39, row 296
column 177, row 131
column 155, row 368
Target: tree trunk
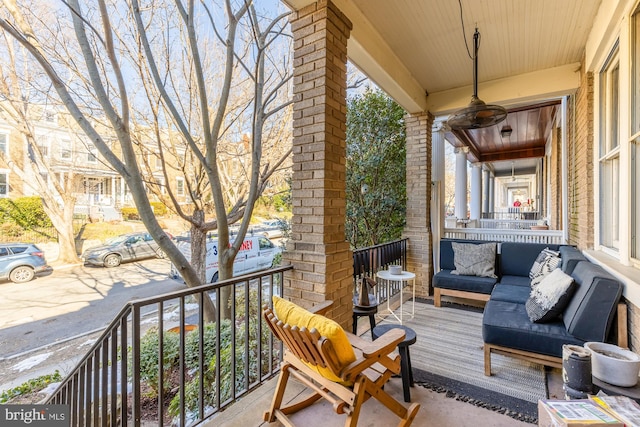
column 62, row 219
column 199, row 260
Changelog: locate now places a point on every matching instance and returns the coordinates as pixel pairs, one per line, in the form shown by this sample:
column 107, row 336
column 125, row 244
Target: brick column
column 318, row 250
column 418, row 227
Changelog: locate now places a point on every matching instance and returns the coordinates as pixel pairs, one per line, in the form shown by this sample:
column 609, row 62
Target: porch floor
column 435, row 408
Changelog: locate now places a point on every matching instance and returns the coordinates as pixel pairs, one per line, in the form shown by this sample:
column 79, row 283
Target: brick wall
column 318, row 250
column 418, row 227
column 581, row 187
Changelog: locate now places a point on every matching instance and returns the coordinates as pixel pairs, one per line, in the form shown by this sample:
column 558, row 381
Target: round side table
column 405, row 358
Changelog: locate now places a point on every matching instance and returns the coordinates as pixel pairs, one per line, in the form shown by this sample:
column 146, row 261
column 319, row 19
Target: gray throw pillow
column 545, row 263
column 548, row 300
column 474, row 260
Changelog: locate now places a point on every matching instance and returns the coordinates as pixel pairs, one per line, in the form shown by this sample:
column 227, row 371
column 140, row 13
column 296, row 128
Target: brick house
column 581, row 59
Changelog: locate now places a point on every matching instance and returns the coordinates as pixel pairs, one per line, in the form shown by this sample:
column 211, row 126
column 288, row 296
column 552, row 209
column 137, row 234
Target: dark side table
column 365, row 310
column 405, row 357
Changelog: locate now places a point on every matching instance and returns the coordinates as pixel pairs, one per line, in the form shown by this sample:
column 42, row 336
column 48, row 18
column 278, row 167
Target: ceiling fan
column 477, row 114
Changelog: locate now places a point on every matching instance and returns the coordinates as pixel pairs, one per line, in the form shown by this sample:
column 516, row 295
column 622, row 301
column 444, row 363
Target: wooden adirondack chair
column 306, row 352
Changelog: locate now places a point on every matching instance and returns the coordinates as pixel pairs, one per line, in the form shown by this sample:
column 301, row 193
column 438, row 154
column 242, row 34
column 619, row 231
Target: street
column 71, row 302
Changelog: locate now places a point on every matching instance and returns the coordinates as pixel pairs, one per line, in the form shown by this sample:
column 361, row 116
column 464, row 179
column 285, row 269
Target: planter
column 613, row 364
column 395, row 269
column 539, row 227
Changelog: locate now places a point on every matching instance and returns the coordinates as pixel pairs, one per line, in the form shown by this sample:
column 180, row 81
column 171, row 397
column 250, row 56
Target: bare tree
column 23, row 106
column 172, row 62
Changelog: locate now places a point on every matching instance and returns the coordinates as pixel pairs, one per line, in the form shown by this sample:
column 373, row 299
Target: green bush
column 130, row 214
column 159, row 208
column 27, row 212
column 149, row 345
column 30, row 386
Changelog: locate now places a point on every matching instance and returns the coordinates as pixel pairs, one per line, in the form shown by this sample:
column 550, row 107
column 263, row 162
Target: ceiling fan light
column 506, row 131
column 477, row 114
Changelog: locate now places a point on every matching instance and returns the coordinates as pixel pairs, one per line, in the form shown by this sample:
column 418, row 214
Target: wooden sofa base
column 542, row 359
column 556, row 362
column 439, row 292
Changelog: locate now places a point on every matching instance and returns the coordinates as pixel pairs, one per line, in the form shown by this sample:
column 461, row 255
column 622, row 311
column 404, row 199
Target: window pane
column 635, row 200
column 3, row 143
column 4, row 188
column 614, row 109
column 635, row 73
column 609, row 203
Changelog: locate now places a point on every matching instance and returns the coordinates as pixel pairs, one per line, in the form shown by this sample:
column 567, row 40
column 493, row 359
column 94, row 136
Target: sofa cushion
column 294, row 315
column 517, row 258
column 550, row 297
column 590, row 312
column 547, row 261
column 507, row 324
column 474, row 260
column 570, row 256
column 483, row 285
column 446, row 252
column 523, row 281
column 510, row 293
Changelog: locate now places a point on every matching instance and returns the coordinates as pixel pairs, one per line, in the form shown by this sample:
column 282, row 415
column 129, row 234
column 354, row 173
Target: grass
column 104, row 230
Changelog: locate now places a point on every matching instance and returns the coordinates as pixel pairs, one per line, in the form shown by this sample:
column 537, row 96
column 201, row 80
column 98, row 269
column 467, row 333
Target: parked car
column 127, row 247
column 270, row 228
column 256, row 253
column 20, row 262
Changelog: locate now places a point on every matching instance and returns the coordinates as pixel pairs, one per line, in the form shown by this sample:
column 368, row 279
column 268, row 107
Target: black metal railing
column 161, row 361
column 368, row 261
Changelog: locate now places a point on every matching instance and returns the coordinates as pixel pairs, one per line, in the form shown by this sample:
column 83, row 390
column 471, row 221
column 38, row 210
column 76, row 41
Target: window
column 4, row 145
column 635, row 135
column 65, row 150
column 180, row 186
column 4, row 184
column 92, row 155
column 609, row 153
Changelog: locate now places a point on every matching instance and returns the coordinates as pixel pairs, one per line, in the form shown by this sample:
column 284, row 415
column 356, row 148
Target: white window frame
column 5, row 194
column 92, row 154
column 65, row 147
column 180, row 186
column 608, row 152
column 6, row 142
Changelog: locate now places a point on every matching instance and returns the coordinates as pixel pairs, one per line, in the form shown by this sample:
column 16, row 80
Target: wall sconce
column 506, row 131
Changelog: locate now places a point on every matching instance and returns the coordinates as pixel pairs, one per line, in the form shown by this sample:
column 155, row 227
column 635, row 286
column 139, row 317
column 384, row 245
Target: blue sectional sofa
column 506, row 326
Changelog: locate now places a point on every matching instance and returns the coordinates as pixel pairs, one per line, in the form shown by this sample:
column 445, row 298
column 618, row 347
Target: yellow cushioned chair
column 337, row 366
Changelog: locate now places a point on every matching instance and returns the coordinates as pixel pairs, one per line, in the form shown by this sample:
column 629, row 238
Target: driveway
column 74, row 301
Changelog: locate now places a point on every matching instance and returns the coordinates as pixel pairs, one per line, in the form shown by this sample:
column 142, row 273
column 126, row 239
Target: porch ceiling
column 530, row 53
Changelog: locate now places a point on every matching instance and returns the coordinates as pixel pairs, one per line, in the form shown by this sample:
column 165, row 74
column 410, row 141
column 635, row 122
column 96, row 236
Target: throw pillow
column 545, row 263
column 550, row 297
column 474, row 259
column 294, row 315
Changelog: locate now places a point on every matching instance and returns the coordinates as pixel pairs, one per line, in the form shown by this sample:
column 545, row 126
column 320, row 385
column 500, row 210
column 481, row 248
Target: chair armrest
column 321, row 308
column 383, row 345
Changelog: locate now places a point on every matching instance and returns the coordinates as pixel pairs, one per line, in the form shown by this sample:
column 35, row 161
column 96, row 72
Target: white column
column 485, row 190
column 476, row 191
column 461, row 183
column 437, row 190
column 492, row 193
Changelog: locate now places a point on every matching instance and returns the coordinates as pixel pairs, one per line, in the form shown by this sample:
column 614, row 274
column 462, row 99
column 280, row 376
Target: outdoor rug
column 448, row 357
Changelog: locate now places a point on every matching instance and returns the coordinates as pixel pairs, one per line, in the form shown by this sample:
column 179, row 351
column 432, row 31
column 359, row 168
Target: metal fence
column 15, row 233
column 368, row 261
column 164, row 353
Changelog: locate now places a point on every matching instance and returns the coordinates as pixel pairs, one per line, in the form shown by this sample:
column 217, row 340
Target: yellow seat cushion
column 294, row 315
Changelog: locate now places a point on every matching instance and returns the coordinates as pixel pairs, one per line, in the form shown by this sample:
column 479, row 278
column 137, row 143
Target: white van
column 255, row 254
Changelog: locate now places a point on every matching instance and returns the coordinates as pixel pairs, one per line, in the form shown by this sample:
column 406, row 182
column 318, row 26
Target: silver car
column 20, row 262
column 127, row 247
